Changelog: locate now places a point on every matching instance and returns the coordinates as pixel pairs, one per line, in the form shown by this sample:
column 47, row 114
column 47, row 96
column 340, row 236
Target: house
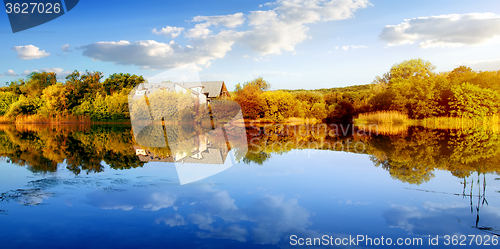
column 205, row 91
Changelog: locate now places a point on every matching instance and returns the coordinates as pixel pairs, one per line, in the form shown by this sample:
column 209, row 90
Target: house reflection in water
column 202, row 151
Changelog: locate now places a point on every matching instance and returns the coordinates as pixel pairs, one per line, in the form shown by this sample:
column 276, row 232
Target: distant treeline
column 410, row 87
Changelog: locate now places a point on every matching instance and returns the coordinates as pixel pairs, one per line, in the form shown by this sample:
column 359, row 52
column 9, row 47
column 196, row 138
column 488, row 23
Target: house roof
column 213, row 88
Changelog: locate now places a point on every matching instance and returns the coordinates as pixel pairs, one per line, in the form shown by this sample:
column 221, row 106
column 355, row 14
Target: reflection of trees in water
column 409, row 157
column 42, row 150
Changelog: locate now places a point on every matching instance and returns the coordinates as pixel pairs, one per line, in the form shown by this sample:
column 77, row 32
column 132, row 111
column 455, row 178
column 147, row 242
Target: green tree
column 6, row 100
column 36, row 82
column 83, row 86
column 412, row 85
column 117, row 82
column 55, row 98
column 470, row 101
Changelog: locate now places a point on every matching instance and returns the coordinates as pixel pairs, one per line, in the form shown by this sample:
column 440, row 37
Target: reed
column 384, row 128
column 492, row 122
column 58, row 119
column 393, row 122
column 6, row 120
column 383, row 117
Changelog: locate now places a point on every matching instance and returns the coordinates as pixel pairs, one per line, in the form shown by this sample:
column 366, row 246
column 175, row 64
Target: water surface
column 86, row 187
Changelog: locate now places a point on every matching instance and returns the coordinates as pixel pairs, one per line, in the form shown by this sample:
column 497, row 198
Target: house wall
column 180, row 89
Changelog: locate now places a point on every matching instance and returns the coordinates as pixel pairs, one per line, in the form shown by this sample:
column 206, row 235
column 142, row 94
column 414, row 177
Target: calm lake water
column 96, row 187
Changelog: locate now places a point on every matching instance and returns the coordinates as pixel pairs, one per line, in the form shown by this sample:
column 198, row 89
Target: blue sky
column 293, row 44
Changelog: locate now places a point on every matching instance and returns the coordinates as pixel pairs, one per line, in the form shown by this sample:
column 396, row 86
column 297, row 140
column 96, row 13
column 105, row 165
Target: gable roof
column 213, row 88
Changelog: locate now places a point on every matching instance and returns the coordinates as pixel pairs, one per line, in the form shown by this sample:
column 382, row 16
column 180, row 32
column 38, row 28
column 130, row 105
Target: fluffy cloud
column 267, row 32
column 11, row 73
column 284, row 27
column 177, row 220
column 277, row 217
column 352, row 47
column 200, row 30
column 60, row 73
column 486, row 65
column 169, row 31
column 453, row 30
column 230, row 21
column 429, row 218
column 311, row 11
column 158, row 55
column 66, row 48
column 271, row 35
column 29, row 52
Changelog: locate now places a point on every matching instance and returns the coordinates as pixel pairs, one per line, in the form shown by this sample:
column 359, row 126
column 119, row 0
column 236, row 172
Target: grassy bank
column 39, row 119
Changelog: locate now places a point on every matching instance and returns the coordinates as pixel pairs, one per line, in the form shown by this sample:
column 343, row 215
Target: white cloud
column 230, row 21
column 352, row 47
column 54, row 69
column 267, row 32
column 276, row 217
column 311, row 11
column 157, row 55
column 66, row 48
column 29, row 52
column 11, row 73
column 453, row 30
column 271, row 35
column 60, row 73
column 284, row 27
column 26, row 72
column 160, row 201
column 200, row 30
column 484, row 65
column 169, row 31
column 178, row 220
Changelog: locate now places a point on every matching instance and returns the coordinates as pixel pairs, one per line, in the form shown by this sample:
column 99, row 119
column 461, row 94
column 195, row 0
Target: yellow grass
column 383, row 117
column 492, row 122
column 38, row 119
column 394, row 121
column 384, row 128
column 6, row 120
